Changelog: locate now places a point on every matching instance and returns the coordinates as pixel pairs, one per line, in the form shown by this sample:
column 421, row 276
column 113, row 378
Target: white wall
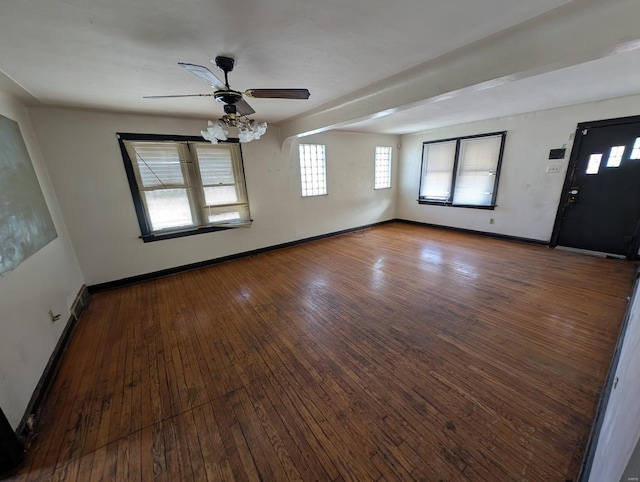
column 528, row 197
column 621, row 426
column 87, row 171
column 633, row 467
column 48, row 280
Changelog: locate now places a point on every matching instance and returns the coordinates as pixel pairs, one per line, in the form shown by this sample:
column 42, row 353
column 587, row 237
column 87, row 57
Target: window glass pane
column 635, row 153
column 615, row 156
column 168, row 208
column 594, row 163
column 216, row 166
column 220, row 195
column 437, row 170
column 158, row 164
column 382, row 168
column 312, row 170
column 477, row 168
column 232, row 215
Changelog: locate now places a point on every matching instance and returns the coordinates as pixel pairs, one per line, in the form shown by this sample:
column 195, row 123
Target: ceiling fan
column 232, row 100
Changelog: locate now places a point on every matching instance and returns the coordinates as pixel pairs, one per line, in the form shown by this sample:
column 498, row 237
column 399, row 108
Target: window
column 635, row 152
column 462, row 172
column 438, row 160
column 184, row 185
column 615, row 156
column 313, row 175
column 382, row 168
column 593, row 166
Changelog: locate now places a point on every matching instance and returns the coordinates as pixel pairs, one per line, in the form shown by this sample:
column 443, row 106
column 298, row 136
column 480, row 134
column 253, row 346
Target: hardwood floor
column 396, row 353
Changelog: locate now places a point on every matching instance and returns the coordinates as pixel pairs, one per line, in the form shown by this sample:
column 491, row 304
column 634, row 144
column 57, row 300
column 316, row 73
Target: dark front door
column 600, row 207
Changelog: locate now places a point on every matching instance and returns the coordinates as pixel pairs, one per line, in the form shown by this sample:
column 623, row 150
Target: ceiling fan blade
column 278, row 93
column 243, row 108
column 205, row 74
column 170, row 96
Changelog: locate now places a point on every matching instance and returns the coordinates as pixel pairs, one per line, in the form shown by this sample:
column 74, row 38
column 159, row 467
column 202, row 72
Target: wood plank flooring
column 395, row 353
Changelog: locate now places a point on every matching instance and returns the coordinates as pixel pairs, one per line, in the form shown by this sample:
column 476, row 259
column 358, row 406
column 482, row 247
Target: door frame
column 632, row 252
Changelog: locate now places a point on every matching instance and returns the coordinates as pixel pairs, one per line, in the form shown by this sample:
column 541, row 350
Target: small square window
column 615, row 156
column 382, row 168
column 635, row 152
column 594, row 164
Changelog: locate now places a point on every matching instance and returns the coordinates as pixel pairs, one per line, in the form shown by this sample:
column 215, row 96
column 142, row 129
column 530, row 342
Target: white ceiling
column 608, row 77
column 107, row 55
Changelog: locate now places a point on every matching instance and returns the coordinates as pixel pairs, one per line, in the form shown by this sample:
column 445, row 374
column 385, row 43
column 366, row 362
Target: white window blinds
column 462, row 171
column 437, row 171
column 185, row 185
column 225, row 199
column 158, row 164
column 477, row 167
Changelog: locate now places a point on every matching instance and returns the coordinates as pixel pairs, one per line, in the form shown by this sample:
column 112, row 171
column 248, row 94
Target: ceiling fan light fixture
column 248, row 129
column 236, row 109
column 216, row 131
column 251, row 130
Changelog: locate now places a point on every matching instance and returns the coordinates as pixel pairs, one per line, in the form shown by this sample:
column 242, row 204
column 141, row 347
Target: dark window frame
column 147, row 235
column 449, row 202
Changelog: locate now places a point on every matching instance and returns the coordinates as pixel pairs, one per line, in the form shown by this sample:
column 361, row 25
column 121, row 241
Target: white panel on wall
column 25, row 222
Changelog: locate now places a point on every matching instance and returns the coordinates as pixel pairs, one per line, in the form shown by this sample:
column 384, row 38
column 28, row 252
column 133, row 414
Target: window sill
column 489, row 207
column 314, row 195
column 149, row 238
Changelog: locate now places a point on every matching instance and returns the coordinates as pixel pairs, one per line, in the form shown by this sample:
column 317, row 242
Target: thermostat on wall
column 557, row 153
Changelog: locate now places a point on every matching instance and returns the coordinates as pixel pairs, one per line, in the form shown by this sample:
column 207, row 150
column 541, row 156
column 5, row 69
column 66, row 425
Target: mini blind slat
column 216, row 165
column 158, row 164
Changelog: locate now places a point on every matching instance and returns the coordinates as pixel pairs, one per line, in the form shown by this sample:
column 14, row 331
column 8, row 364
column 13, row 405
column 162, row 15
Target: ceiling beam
column 578, row 32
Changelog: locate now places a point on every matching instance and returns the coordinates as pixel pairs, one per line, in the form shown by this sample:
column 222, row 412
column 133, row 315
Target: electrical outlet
column 554, row 169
